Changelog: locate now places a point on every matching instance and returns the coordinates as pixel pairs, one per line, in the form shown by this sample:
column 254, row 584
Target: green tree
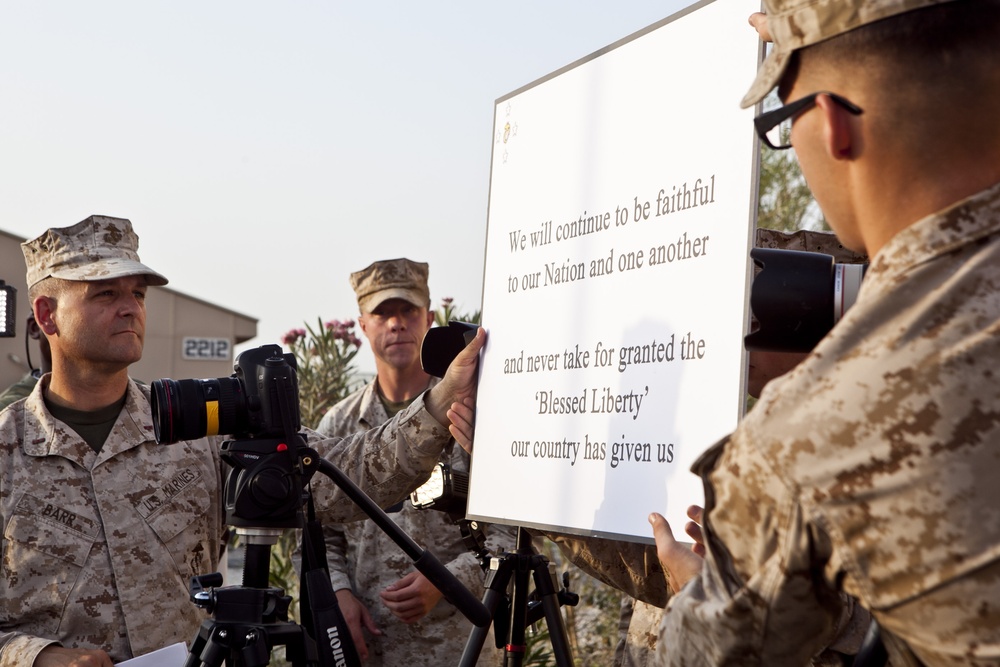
column 785, row 202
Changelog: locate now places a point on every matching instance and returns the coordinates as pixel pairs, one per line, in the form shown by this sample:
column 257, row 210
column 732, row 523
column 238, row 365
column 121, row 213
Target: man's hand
column 680, row 561
column 458, row 385
column 57, row 656
column 693, row 529
column 462, row 417
column 356, row 615
column 759, row 22
column 410, row 598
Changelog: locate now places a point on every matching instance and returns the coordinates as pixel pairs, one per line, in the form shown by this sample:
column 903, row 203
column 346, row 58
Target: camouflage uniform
column 98, row 549
column 638, row 629
column 634, row 568
column 869, row 468
column 363, row 559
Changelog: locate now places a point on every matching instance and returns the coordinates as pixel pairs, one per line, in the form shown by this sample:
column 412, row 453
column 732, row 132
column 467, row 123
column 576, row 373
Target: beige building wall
column 185, row 337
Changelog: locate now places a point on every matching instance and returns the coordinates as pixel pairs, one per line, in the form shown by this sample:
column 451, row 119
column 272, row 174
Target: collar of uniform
column 372, row 412
column 134, row 426
column 45, row 436
column 961, row 223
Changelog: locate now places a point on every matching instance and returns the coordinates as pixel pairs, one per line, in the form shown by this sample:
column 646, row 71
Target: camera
column 441, row 345
column 258, row 406
column 798, row 296
column 251, row 403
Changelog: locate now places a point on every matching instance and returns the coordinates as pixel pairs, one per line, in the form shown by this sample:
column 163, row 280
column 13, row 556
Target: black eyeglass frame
column 766, row 121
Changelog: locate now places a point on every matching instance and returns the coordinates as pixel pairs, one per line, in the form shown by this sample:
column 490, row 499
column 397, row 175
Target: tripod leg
column 516, row 644
column 210, row 648
column 545, row 584
column 497, row 579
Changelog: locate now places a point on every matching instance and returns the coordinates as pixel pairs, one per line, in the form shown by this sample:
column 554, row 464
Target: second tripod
column 512, row 614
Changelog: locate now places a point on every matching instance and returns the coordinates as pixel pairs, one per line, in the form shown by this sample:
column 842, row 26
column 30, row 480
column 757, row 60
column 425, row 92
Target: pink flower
column 446, row 301
column 293, row 336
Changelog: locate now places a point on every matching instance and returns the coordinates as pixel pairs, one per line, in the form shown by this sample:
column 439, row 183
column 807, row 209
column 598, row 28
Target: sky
column 264, row 151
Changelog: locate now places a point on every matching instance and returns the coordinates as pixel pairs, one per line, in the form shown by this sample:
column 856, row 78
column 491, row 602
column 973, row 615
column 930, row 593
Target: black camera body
column 258, row 407
column 252, row 402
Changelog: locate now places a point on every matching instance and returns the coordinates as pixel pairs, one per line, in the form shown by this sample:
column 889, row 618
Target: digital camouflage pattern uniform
column 98, row 549
column 870, row 468
column 363, row 559
column 634, row 568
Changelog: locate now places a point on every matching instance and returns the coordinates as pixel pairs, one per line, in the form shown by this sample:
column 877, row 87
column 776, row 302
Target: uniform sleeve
column 387, row 462
column 336, row 556
column 762, row 597
column 18, row 649
column 628, row 566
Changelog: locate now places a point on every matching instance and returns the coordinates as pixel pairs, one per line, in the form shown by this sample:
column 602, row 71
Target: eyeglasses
column 775, row 127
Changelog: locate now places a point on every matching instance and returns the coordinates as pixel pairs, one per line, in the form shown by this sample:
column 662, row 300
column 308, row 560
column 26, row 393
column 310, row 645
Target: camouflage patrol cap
column 391, row 279
column 795, row 24
column 98, row 248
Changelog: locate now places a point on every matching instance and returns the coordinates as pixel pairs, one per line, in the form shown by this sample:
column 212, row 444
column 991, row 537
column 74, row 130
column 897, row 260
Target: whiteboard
column 622, row 198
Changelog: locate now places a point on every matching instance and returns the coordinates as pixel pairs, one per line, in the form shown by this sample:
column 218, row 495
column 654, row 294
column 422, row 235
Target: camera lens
column 192, row 409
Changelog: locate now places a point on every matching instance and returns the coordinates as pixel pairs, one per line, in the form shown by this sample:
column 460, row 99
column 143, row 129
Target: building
column 185, row 337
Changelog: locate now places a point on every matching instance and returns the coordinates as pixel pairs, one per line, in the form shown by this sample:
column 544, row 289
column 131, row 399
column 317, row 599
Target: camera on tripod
column 266, row 492
column 258, row 405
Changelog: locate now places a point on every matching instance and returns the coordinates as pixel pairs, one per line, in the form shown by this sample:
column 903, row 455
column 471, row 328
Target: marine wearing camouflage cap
column 98, row 248
column 391, row 279
column 795, row 24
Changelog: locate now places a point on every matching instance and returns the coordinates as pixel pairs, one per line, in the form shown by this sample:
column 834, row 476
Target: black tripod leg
column 210, row 648
column 255, row 651
column 496, row 586
column 545, row 584
column 516, row 644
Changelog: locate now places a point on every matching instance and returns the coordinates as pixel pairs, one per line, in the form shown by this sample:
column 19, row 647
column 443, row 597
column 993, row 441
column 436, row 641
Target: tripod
column 249, row 620
column 511, row 615
column 264, row 494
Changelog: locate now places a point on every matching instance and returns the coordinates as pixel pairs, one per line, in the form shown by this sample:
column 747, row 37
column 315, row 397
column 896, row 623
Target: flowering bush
column 323, row 356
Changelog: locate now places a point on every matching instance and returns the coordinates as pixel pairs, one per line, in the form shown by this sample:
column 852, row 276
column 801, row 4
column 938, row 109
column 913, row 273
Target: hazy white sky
column 265, row 150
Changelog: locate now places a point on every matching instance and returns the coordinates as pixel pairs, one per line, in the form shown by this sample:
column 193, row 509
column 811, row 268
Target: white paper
column 174, row 655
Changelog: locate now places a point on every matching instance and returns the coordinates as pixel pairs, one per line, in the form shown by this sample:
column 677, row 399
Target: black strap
column 321, row 615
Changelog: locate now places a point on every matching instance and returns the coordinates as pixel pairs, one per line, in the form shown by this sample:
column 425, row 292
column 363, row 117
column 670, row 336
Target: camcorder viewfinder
column 797, row 297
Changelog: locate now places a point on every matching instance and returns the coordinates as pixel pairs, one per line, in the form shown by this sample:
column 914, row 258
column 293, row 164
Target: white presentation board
column 615, row 280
